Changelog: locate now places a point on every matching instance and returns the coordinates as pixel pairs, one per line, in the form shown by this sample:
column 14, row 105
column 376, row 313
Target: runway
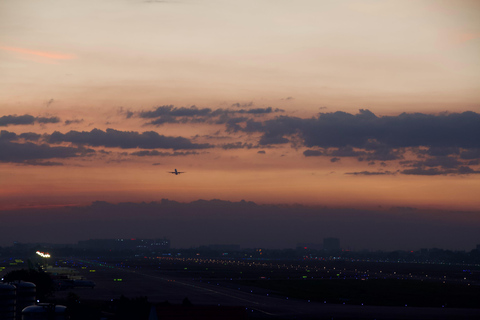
column 158, row 285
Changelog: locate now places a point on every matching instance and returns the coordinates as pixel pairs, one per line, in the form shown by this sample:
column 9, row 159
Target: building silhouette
column 331, row 244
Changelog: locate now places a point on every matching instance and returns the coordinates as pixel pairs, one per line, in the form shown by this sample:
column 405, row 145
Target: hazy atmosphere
column 291, row 120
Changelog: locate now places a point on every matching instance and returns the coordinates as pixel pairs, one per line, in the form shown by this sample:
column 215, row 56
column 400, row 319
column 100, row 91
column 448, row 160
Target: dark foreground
column 274, row 290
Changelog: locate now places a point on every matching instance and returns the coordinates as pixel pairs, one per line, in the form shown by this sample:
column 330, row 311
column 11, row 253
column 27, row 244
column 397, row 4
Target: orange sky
column 90, row 63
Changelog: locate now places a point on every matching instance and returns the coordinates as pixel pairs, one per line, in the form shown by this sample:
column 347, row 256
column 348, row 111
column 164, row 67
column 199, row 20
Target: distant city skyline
column 244, row 223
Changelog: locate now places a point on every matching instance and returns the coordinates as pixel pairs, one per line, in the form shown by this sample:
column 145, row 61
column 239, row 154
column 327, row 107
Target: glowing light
column 43, row 254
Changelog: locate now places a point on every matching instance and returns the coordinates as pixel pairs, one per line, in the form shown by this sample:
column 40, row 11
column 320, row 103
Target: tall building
column 331, row 244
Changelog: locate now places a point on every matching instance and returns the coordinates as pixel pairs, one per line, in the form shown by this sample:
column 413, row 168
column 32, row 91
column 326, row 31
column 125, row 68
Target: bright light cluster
column 43, row 255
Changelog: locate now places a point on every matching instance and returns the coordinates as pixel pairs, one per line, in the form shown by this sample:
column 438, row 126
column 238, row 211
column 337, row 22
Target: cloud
column 30, row 136
column 16, row 120
column 42, row 163
column 28, row 152
column 442, row 151
column 47, row 119
column 12, row 136
column 334, row 159
column 74, row 121
column 346, row 151
column 313, row 153
column 370, row 173
column 170, row 110
column 238, row 145
column 261, row 110
column 26, row 119
column 171, row 114
column 125, row 139
column 242, row 105
column 385, row 154
column 445, row 162
column 444, row 140
column 341, row 129
column 437, row 171
column 473, row 153
column 7, row 136
column 149, row 153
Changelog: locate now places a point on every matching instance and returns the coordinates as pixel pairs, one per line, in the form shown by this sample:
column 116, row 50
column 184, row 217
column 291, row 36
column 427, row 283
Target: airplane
column 175, row 172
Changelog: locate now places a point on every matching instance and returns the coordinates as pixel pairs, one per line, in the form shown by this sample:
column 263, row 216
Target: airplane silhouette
column 175, row 172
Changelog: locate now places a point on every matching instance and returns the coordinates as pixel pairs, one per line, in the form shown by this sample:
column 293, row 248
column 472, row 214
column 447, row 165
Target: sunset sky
column 344, row 104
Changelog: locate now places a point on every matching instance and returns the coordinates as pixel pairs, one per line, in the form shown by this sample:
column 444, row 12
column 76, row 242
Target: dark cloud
column 272, row 139
column 26, row 119
column 170, row 110
column 313, row 153
column 242, row 105
column 473, row 153
column 75, row 121
column 445, row 162
column 475, row 162
column 148, row 153
column 341, row 129
column 125, row 139
column 346, row 151
column 28, row 152
column 237, row 145
column 172, row 114
column 164, row 119
column 442, row 151
column 233, row 124
column 31, row 136
column 261, row 152
column 260, row 110
column 442, row 140
column 385, row 154
column 334, row 160
column 42, row 163
column 12, row 136
column 122, row 111
column 216, row 136
column 47, row 119
column 7, row 135
column 16, row 120
column 438, row 171
column 370, row 173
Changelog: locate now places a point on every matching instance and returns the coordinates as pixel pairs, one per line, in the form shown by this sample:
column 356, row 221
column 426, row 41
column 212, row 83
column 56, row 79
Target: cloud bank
column 417, row 143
